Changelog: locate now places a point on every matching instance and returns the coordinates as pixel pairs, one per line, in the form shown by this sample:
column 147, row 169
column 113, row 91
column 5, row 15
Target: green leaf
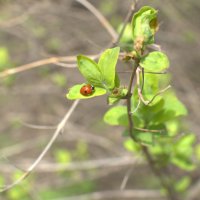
column 107, row 64
column 144, row 137
column 112, row 100
column 183, row 163
column 117, row 80
column 117, row 116
column 155, row 61
column 90, row 70
column 173, row 127
column 144, row 24
column 173, row 103
column 183, row 152
column 132, row 146
column 184, row 146
column 153, row 83
column 74, row 92
column 172, row 108
column 183, row 184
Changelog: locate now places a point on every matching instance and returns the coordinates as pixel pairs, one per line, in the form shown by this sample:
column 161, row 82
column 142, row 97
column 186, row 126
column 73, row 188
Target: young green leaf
column 112, row 100
column 183, row 163
column 107, row 64
column 155, row 61
column 132, row 146
column 182, row 184
column 90, row 70
column 117, row 116
column 144, row 137
column 172, row 109
column 117, row 80
column 144, row 24
column 184, row 146
column 74, row 92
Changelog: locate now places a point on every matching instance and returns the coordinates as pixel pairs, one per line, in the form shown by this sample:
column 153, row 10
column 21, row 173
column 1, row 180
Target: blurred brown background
column 31, row 30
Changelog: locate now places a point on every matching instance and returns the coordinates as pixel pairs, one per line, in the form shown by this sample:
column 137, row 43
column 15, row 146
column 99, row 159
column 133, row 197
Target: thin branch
column 127, row 19
column 66, row 65
column 154, row 47
column 126, row 178
column 165, row 184
column 145, row 72
column 146, row 102
column 100, row 17
column 40, row 127
column 45, row 150
column 47, row 167
column 23, row 17
column 52, row 60
column 148, row 130
column 160, row 92
column 129, row 93
column 137, row 107
column 116, row 194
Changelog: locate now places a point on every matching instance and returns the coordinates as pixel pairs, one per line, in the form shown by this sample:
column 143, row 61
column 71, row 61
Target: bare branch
column 47, row 167
column 101, row 18
column 45, row 150
column 127, row 19
column 116, row 194
column 125, row 179
column 52, row 60
column 23, row 17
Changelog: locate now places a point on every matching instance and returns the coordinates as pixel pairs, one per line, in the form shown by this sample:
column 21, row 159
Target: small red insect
column 87, row 90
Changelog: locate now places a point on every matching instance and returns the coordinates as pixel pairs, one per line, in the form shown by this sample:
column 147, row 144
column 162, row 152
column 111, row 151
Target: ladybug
column 87, row 90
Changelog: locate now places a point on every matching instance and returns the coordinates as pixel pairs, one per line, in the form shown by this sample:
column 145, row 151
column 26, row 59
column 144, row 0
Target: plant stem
column 157, row 172
column 129, row 93
column 127, row 19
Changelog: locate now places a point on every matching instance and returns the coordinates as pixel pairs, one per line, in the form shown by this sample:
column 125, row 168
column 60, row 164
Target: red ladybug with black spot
column 87, row 89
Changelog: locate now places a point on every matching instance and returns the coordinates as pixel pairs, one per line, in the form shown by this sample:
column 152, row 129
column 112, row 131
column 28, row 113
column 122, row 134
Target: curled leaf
column 144, row 24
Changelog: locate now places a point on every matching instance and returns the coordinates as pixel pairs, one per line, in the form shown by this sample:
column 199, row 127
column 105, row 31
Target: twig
column 23, row 17
column 45, row 150
column 131, row 125
column 52, row 60
column 141, row 97
column 116, row 194
column 160, row 92
column 125, row 179
column 145, row 72
column 47, row 167
column 165, row 184
column 41, row 127
column 148, row 130
column 101, row 18
column 127, row 19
